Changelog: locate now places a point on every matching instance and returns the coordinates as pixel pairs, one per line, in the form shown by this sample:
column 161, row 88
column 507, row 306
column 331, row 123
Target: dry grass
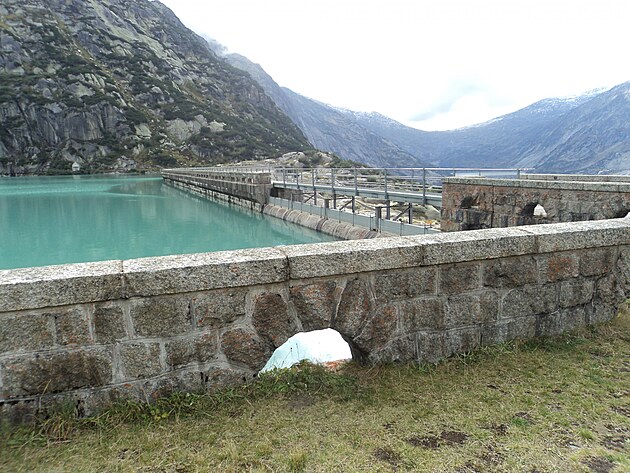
column 550, row 405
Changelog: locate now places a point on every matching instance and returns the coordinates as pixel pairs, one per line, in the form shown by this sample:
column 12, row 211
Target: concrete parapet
column 93, row 333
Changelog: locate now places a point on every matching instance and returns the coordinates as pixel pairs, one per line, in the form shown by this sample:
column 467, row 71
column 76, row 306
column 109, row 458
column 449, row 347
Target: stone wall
column 96, row 332
column 248, row 185
column 476, row 203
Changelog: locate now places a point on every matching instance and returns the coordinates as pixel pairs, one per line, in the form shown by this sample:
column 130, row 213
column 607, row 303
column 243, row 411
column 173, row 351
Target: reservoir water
column 72, row 219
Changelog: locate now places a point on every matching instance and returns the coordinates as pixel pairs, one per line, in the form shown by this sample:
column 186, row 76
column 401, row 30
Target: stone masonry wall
column 475, row 203
column 93, row 333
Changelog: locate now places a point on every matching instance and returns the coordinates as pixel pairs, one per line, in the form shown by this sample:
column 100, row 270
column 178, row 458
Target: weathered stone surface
column 379, row 330
column 426, row 313
column 405, row 284
column 577, row 291
column 50, row 286
column 315, row 304
column 199, row 348
column 220, row 377
column 458, row 278
column 462, row 340
column 521, row 328
column 510, row 272
column 161, row 316
column 272, row 320
column 218, row 308
column 623, row 268
column 348, row 257
column 109, row 323
column 72, row 326
column 455, row 247
column 140, row 360
column 597, row 261
column 529, row 300
column 246, row 347
column 560, row 266
column 401, row 349
column 204, row 271
column 470, row 309
column 54, row 372
column 430, row 346
column 25, row 331
column 355, row 308
column 561, row 321
column 579, row 235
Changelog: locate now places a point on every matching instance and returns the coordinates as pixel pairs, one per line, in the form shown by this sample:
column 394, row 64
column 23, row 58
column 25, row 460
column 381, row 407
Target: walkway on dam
column 409, row 185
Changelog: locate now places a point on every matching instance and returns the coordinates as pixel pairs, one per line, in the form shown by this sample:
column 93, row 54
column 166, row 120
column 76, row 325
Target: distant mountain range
column 585, row 134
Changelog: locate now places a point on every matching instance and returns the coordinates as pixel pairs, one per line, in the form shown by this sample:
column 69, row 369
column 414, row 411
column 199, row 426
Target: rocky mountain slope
column 329, row 128
column 587, row 134
column 120, row 84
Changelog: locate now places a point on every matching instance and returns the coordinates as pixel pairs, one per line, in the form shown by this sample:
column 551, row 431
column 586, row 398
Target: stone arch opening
column 468, row 202
column 528, row 210
column 317, row 346
column 621, row 213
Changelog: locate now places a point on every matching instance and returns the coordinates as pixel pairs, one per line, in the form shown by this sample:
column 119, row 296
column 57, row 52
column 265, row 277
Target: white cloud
column 408, row 58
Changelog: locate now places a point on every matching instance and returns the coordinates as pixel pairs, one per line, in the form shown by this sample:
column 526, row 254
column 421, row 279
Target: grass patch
column 558, row 404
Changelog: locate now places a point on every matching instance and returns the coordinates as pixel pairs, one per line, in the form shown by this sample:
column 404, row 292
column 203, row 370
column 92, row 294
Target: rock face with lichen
column 120, row 84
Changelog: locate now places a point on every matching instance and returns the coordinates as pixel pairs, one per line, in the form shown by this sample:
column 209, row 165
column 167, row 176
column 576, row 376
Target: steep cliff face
column 118, row 84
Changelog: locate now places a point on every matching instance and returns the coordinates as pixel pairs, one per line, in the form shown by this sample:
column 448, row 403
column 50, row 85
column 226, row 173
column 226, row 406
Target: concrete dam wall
column 93, row 333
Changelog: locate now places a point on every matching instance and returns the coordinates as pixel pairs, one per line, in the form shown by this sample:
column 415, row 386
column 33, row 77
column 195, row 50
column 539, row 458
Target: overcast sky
column 431, row 64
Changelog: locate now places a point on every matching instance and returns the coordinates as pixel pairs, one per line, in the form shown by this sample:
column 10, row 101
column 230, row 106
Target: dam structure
column 92, row 333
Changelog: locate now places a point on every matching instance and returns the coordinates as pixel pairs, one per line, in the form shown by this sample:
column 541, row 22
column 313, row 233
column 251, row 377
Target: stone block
column 400, row 350
column 521, row 328
column 529, row 300
column 355, row 308
column 561, row 321
column 405, row 283
column 473, row 245
column 200, row 348
column 430, row 346
column 578, row 291
column 559, row 266
column 623, row 269
column 348, row 257
column 426, row 313
column 271, row 318
column 245, row 347
column 218, row 308
column 315, row 303
column 140, row 360
column 161, row 316
column 461, row 340
column 510, row 272
column 579, row 235
column 216, row 377
column 379, row 331
column 597, row 261
column 204, row 271
column 68, row 284
column 26, row 331
column 54, row 372
column 72, row 326
column 609, row 290
column 109, row 323
column 470, row 309
column 458, row 278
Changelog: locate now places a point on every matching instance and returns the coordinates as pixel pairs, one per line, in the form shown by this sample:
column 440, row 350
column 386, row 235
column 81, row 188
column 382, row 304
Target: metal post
column 332, row 180
column 424, row 186
column 410, row 213
column 388, row 205
column 385, row 178
column 314, row 190
column 354, row 208
column 518, row 173
column 284, row 177
column 356, row 185
column 334, row 201
column 377, row 214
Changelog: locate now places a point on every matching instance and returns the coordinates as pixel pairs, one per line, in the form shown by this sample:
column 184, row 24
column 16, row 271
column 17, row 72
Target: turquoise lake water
column 72, row 219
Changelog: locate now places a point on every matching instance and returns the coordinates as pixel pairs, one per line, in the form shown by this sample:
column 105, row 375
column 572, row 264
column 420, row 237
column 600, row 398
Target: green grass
column 548, row 405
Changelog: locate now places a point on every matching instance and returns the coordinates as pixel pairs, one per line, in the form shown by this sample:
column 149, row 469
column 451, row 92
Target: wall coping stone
column 541, row 184
column 33, row 288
